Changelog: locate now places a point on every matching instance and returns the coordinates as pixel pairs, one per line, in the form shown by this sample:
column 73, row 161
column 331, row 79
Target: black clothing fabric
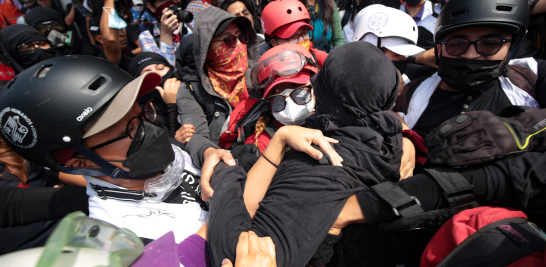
column 42, row 14
column 28, row 216
column 144, row 60
column 124, row 62
column 444, row 105
column 306, row 196
column 356, row 90
column 185, row 62
column 518, row 182
column 16, row 35
column 132, row 33
column 198, row 103
column 80, row 21
column 426, row 38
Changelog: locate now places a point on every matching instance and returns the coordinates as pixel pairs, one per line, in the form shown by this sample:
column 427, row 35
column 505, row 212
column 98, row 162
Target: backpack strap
column 457, row 190
column 401, row 202
column 498, row 244
column 523, row 78
column 271, row 128
column 403, row 101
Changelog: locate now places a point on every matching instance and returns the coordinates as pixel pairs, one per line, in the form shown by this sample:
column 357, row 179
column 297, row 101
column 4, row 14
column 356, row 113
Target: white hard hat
column 387, row 27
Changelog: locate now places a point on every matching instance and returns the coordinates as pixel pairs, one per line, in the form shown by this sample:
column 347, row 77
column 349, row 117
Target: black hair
column 326, row 14
column 257, row 23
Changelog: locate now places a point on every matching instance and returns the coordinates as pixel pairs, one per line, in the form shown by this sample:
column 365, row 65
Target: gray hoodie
column 199, row 104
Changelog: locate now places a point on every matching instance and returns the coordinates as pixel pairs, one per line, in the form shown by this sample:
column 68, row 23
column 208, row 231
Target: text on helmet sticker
column 18, row 129
column 84, row 114
column 378, row 21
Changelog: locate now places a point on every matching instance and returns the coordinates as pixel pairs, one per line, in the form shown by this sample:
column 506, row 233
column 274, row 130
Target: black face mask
column 151, row 155
column 401, row 65
column 29, row 58
column 168, row 75
column 469, row 75
column 412, row 3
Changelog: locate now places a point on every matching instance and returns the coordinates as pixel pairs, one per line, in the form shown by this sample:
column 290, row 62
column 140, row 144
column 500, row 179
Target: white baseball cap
column 138, row 2
column 397, row 30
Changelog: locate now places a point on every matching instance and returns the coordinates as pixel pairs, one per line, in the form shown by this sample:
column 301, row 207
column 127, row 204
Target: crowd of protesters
column 274, row 132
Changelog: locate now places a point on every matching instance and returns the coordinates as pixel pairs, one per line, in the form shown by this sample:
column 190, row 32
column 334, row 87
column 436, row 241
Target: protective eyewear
column 32, row 45
column 487, row 46
column 48, row 24
column 135, row 127
column 300, row 96
column 286, row 64
column 294, row 39
column 231, row 40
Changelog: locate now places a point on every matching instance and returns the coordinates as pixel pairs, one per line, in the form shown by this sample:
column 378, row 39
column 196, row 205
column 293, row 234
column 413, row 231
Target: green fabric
column 337, row 31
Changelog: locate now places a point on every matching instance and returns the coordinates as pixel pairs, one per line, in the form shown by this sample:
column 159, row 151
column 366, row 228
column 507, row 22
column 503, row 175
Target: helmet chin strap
column 106, row 168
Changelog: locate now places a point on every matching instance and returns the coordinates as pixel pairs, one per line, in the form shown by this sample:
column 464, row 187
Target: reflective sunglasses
column 32, row 45
column 487, row 46
column 300, row 96
column 231, row 40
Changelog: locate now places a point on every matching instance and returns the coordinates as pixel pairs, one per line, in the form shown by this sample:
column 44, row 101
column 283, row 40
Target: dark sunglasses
column 46, row 25
column 487, row 46
column 231, row 40
column 135, row 127
column 300, row 96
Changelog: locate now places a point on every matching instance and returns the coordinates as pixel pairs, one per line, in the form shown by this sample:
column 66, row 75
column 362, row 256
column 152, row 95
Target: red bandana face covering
column 226, row 69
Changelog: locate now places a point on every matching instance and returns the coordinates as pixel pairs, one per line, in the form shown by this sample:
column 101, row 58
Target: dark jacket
column 199, row 104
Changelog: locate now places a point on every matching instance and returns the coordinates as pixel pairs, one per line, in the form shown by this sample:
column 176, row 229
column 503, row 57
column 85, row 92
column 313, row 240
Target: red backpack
column 242, row 122
column 487, row 236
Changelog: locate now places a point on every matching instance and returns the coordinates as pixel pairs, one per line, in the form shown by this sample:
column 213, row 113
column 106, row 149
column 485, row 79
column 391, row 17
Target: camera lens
column 181, row 14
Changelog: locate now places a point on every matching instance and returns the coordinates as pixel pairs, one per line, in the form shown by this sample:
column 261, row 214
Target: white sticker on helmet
column 18, row 129
column 378, row 21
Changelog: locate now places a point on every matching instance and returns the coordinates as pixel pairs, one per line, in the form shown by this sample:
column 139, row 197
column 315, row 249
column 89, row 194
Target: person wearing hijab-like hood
column 163, row 98
column 355, row 90
column 26, row 45
column 52, row 25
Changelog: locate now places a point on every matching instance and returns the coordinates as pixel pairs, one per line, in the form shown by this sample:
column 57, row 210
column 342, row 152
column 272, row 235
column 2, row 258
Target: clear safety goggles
column 78, row 234
column 286, row 64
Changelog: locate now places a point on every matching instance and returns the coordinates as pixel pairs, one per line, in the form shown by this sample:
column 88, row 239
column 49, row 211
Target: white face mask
column 294, row 114
column 138, row 8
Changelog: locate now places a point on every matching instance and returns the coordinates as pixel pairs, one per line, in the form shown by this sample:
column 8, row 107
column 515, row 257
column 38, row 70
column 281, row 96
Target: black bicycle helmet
column 509, row 15
column 52, row 106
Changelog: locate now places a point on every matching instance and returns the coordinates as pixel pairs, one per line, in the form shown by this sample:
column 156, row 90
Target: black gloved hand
column 479, row 136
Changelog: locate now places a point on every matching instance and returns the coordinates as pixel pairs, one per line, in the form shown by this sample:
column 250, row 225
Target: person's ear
column 78, row 163
column 151, row 7
column 274, row 42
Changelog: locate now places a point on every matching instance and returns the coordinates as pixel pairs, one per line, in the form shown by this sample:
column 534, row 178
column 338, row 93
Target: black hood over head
column 185, row 61
column 144, row 60
column 19, row 34
column 356, row 81
column 41, row 14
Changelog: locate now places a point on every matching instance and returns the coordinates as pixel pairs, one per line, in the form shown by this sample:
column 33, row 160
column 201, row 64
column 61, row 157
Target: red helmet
column 281, row 64
column 290, row 13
